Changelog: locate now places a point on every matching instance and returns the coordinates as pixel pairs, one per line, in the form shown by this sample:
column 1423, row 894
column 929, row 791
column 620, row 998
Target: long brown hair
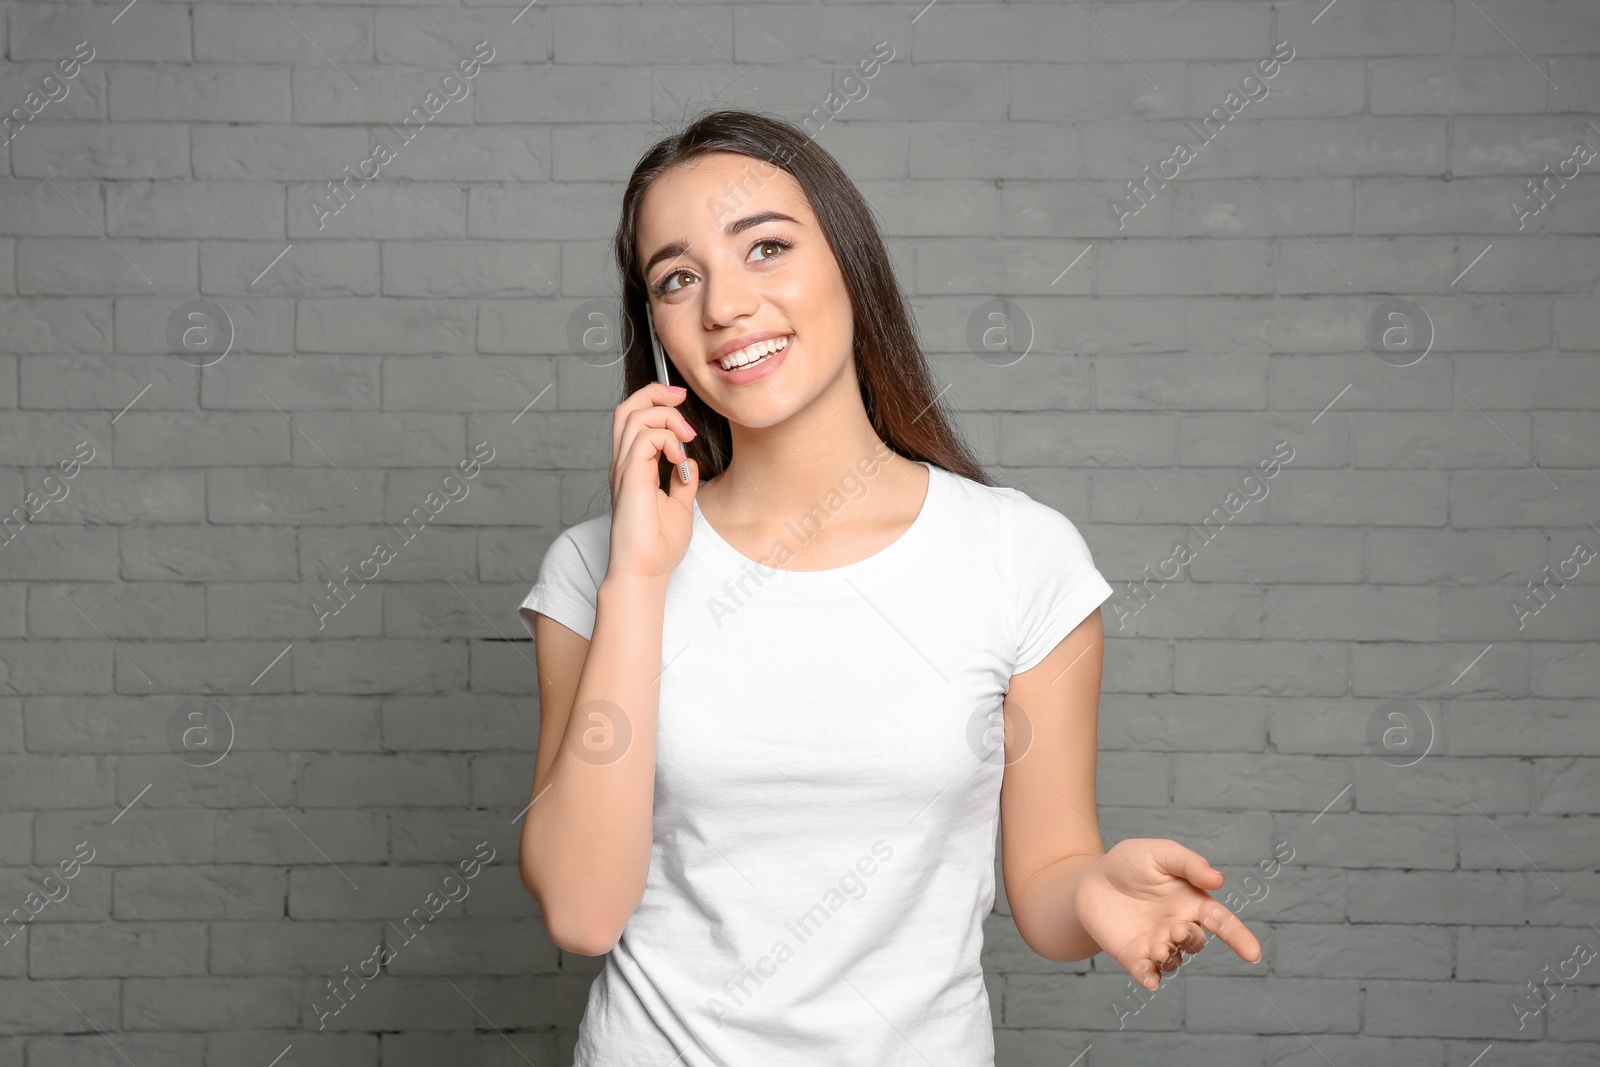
column 897, row 388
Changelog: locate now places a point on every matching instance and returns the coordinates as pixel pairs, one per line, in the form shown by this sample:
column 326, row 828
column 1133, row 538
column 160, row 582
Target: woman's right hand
column 650, row 529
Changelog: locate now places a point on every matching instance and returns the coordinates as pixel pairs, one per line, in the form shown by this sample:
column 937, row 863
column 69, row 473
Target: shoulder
column 1035, row 546
column 585, row 545
column 590, row 533
column 568, row 585
column 1009, row 516
column 1033, row 518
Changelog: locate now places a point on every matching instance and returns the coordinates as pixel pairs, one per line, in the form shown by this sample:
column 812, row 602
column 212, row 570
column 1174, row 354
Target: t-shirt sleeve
column 567, row 588
column 1057, row 584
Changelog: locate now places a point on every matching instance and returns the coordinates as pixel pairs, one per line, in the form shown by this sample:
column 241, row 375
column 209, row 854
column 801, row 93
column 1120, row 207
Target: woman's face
column 712, row 237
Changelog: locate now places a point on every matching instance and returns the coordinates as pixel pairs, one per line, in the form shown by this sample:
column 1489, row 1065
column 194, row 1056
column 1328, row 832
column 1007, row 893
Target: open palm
column 1148, row 899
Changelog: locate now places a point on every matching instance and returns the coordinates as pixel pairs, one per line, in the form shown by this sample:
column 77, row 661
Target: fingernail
column 693, row 433
column 680, row 390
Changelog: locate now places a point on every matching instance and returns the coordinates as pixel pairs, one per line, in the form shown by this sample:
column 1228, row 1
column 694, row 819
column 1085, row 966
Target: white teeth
column 755, row 352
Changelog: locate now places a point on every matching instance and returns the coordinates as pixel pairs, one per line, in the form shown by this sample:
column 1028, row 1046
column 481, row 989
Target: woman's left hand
column 1148, row 899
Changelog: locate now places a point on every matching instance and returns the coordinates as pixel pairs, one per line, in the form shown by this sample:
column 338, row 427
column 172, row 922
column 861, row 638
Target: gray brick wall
column 1334, row 699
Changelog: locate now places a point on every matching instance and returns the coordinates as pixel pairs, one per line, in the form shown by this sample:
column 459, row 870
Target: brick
column 1453, row 670
column 382, row 667
column 420, row 552
column 351, row 208
column 235, row 667
column 1364, row 950
column 1437, row 896
column 304, row 496
column 116, row 150
column 142, row 325
column 469, row 268
column 552, row 94
column 366, row 326
column 1063, row 92
column 439, row 38
column 140, row 835
column 290, row 948
column 253, row 778
column 1450, row 85
column 134, row 610
column 386, row 893
column 398, row 1003
column 36, row 1006
column 264, row 152
column 87, row 893
column 481, row 947
column 1305, row 88
column 123, row 497
column 1263, row 208
column 1387, row 440
column 501, row 782
column 329, row 781
column 217, row 892
column 243, row 35
column 1179, row 31
column 60, row 266
column 291, row 610
column 1476, row 1010
column 209, row 1003
column 1286, row 782
column 202, row 439
column 328, row 383
column 304, row 836
column 454, row 610
column 1038, row 440
column 470, row 384
column 417, row 1050
column 444, row 836
column 64, row 1051
column 1562, row 785
column 238, row 209
column 202, row 92
column 1539, row 28
column 1411, row 29
column 117, row 949
column 324, row 1049
column 1273, row 1005
column 199, row 552
column 48, row 33
column 1194, row 266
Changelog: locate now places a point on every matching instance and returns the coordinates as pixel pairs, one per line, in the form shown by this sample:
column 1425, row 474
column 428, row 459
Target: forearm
column 1044, row 907
column 587, row 837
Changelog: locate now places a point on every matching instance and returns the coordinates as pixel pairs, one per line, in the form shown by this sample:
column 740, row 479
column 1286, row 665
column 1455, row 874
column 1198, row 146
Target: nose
column 728, row 296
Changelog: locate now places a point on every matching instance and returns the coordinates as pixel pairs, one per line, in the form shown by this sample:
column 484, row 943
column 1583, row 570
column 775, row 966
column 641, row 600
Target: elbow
column 585, row 941
column 578, row 933
column 570, row 929
column 1053, row 951
column 1030, row 935
column 1046, row 918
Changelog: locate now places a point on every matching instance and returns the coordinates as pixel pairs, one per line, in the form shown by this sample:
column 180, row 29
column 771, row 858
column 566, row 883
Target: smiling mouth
column 756, row 353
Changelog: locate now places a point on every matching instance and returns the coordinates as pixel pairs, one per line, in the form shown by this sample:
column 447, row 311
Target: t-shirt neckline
column 736, row 565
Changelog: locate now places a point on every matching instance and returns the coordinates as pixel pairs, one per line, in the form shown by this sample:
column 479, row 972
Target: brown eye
column 662, row 289
column 771, row 242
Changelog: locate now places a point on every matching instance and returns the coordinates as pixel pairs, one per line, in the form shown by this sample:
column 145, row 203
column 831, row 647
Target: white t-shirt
column 827, row 788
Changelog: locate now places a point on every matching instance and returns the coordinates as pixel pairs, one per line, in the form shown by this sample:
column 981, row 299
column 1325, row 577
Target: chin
column 760, row 415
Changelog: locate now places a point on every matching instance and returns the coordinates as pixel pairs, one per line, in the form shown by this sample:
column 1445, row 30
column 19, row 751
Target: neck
column 827, row 451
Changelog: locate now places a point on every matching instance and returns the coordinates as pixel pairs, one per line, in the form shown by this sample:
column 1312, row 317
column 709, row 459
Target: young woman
column 783, row 712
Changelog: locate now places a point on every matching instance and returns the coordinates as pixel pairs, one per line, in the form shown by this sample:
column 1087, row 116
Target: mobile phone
column 661, row 374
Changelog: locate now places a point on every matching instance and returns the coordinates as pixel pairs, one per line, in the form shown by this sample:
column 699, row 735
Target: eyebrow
column 733, row 229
